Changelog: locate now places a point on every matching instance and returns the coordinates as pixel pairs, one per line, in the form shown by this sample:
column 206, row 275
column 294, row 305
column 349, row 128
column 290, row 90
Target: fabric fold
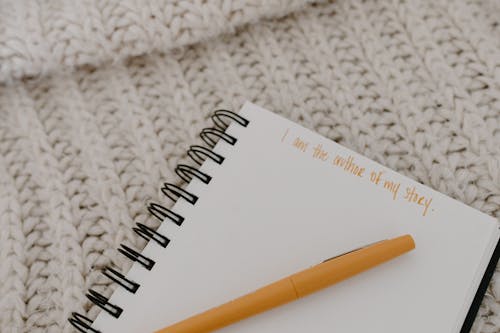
column 37, row 38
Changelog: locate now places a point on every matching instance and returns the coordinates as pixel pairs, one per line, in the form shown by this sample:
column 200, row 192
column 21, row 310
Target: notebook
column 272, row 198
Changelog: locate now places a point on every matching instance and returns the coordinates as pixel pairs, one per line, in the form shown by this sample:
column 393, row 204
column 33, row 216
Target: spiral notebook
column 271, row 198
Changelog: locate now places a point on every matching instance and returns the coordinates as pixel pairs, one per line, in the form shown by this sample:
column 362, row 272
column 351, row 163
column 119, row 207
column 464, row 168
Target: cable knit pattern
column 99, row 101
column 39, row 37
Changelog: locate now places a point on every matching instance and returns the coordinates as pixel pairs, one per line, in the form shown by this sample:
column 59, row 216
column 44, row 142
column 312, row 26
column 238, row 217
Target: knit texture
column 99, row 101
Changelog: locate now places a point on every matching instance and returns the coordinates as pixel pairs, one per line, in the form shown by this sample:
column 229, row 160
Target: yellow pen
column 294, row 286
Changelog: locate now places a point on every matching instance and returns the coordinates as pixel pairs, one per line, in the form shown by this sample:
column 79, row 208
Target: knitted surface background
column 99, row 101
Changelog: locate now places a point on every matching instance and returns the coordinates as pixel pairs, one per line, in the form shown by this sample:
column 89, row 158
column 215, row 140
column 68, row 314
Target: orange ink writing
column 349, row 165
column 392, row 187
column 284, row 135
column 413, row 196
column 318, row 152
column 300, row 145
column 375, row 177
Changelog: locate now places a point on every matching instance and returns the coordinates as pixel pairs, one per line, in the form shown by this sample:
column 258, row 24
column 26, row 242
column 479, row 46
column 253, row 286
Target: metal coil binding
column 198, row 154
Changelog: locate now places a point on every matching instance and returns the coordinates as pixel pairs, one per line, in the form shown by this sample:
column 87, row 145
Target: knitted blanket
column 99, row 101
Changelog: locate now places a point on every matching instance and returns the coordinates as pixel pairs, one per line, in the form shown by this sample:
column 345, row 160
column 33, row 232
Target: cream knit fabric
column 99, row 101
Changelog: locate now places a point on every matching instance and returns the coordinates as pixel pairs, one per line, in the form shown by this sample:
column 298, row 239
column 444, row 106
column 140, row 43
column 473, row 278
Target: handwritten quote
column 349, row 164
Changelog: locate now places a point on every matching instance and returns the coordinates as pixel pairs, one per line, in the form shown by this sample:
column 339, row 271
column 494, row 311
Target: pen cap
column 352, row 263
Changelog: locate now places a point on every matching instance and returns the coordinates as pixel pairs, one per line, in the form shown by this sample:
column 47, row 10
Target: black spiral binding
column 221, row 120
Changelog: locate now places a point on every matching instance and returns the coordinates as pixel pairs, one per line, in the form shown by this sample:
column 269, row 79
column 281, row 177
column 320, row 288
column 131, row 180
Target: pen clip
column 359, row 248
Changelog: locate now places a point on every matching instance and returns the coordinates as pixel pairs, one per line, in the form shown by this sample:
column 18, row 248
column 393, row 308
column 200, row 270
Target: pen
column 294, row 286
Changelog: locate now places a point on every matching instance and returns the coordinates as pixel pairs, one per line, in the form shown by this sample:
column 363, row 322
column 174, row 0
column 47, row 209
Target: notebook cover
column 481, row 291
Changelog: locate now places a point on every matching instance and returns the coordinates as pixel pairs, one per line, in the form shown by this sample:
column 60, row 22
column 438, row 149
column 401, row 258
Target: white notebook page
column 272, row 209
